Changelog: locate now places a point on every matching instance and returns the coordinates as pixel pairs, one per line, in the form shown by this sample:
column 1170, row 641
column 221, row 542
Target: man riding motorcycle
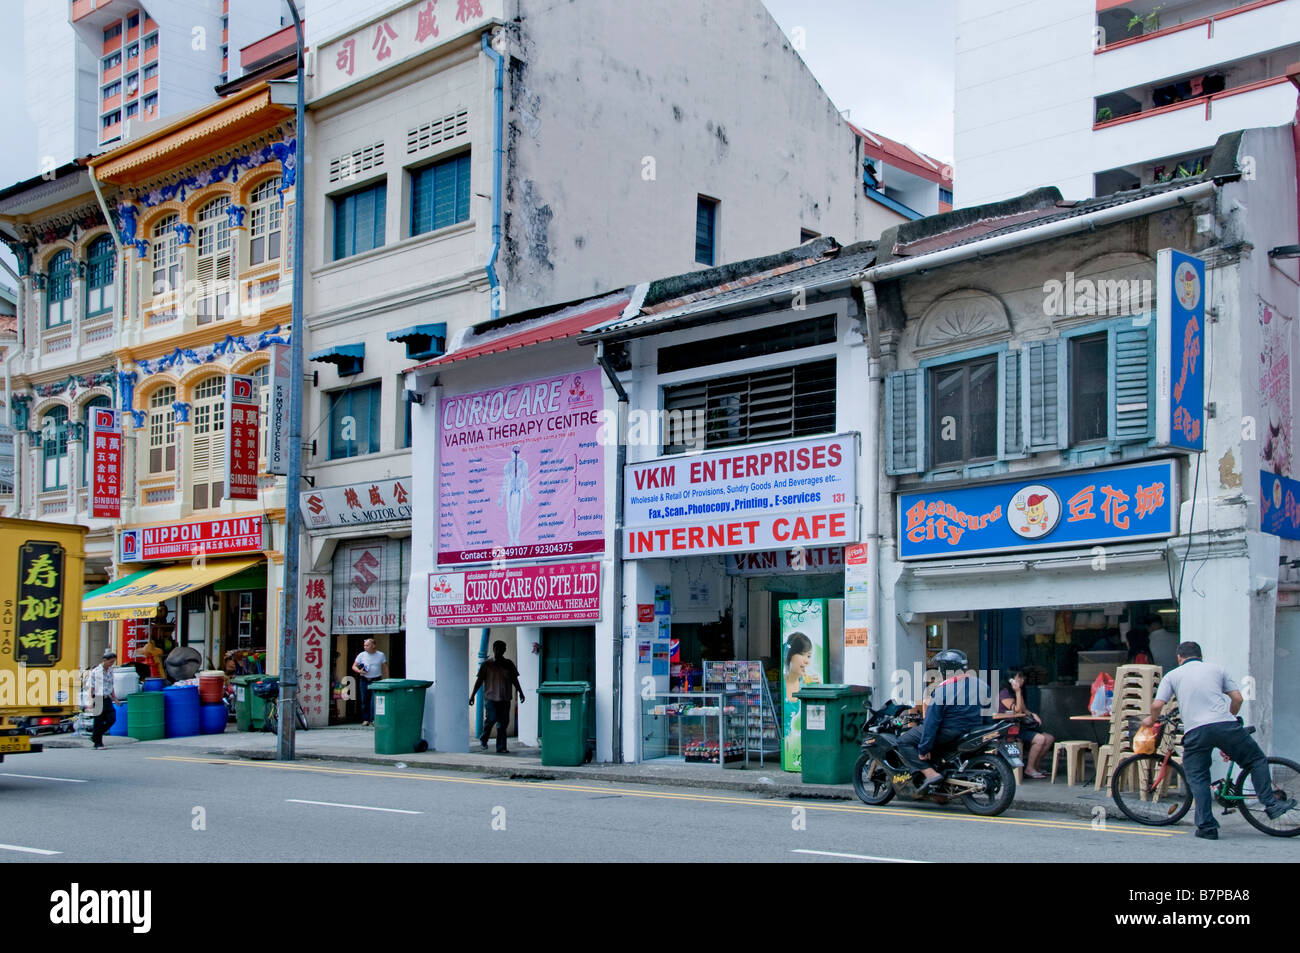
column 953, row 711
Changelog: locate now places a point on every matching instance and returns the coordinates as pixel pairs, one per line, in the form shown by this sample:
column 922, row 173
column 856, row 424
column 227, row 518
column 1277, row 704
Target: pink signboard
column 528, row 595
column 521, row 471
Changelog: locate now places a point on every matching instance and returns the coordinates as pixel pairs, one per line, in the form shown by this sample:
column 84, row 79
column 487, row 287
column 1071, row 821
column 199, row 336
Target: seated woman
column 1034, row 741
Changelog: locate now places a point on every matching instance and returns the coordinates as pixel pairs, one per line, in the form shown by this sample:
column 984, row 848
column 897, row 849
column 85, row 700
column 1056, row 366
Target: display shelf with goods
column 755, row 718
column 245, row 620
column 696, row 727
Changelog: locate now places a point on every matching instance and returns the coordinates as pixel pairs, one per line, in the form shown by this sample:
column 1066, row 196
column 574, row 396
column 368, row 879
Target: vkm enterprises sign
column 768, row 496
column 240, row 534
column 1115, row 504
column 376, row 501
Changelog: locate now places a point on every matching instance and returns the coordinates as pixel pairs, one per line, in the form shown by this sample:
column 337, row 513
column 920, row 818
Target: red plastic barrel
column 212, row 687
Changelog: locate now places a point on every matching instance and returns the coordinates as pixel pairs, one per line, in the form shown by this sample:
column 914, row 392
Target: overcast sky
column 890, row 65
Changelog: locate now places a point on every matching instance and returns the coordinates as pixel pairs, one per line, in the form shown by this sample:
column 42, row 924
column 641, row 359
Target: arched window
column 264, row 217
column 166, row 255
column 208, row 461
column 58, row 291
column 212, row 264
column 162, row 430
column 88, row 446
column 54, row 449
column 101, row 260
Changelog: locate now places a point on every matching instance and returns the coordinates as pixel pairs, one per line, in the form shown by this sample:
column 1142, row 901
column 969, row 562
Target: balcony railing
column 1207, row 100
column 1117, row 27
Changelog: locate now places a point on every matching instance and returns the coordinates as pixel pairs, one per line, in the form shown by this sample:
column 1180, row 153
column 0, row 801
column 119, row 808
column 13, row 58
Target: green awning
column 116, row 584
column 252, row 578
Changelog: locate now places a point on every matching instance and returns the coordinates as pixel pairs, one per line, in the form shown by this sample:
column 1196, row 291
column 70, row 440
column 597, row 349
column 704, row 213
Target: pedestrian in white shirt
column 370, row 665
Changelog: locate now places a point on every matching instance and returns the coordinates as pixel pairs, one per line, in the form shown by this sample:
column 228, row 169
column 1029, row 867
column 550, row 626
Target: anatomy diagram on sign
column 515, row 492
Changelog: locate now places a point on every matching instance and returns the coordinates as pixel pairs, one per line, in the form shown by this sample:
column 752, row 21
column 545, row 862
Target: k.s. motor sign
column 766, row 496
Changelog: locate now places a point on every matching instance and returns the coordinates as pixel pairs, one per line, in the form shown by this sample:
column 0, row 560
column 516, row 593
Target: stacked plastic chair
column 1135, row 690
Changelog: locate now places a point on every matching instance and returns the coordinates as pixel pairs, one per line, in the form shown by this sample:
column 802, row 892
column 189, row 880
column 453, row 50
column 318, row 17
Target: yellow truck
column 42, row 577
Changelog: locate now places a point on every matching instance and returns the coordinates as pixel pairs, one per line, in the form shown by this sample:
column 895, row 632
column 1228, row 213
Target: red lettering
column 733, row 534
column 838, row 528
column 833, row 454
column 765, row 461
column 679, row 538
column 751, row 525
column 697, row 537
column 717, row 536
column 818, row 457
column 779, row 530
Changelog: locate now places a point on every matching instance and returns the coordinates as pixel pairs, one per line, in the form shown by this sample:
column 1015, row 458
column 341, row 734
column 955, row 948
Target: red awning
column 566, row 323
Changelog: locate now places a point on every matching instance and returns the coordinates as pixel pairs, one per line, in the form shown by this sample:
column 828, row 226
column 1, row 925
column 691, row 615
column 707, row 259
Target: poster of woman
column 803, row 662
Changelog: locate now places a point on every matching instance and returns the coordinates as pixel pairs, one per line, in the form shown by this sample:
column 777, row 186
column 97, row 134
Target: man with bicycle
column 1208, row 701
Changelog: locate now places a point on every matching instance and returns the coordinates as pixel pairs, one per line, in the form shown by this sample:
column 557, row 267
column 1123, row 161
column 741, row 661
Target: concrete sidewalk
column 354, row 744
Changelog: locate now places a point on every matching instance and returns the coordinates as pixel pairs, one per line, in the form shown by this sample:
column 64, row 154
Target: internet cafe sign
column 397, row 38
column 767, row 496
column 361, row 504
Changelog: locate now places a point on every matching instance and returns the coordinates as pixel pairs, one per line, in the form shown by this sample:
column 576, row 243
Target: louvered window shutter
column 203, row 272
column 904, row 422
column 1132, row 374
column 221, row 285
column 1010, row 426
column 1043, row 381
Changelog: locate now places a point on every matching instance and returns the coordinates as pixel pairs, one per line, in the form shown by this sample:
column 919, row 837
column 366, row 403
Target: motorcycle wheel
column 1002, row 790
column 871, row 781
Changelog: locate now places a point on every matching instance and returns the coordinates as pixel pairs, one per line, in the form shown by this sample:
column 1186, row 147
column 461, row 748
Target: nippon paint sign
column 242, row 534
column 768, row 496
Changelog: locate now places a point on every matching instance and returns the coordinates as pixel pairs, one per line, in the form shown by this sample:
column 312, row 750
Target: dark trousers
column 497, row 713
column 1199, row 744
column 367, row 698
column 105, row 720
column 909, row 741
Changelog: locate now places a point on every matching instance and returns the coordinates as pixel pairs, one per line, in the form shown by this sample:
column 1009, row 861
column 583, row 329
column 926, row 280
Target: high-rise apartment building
column 1099, row 96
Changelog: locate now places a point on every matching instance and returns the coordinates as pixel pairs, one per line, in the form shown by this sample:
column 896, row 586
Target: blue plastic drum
column 181, row 710
column 212, row 718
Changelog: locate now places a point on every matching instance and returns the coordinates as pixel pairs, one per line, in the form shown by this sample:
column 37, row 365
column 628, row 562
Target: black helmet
column 950, row 660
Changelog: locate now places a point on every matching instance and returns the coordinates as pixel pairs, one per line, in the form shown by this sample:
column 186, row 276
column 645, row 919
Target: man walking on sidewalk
column 370, row 665
column 1208, row 701
column 500, row 681
column 100, row 700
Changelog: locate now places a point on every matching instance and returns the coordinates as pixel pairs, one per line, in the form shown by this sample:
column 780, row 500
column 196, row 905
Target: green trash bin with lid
column 562, row 722
column 250, row 711
column 399, row 715
column 831, row 721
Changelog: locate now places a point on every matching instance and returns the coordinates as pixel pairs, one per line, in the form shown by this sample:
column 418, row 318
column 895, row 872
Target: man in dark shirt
column 500, row 681
column 954, row 710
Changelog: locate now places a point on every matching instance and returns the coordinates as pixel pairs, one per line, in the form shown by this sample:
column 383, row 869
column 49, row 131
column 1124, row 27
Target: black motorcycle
column 977, row 767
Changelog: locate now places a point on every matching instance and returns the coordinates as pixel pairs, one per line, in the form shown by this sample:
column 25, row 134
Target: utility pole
column 289, row 606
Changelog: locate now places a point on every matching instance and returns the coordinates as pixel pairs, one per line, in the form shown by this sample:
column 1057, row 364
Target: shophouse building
column 475, row 162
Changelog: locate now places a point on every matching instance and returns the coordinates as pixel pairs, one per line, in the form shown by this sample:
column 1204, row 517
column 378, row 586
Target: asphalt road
column 151, row 803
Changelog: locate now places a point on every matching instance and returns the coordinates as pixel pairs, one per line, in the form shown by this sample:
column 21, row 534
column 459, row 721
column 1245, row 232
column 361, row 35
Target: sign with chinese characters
column 377, row 501
column 1113, row 504
column 800, row 493
column 370, row 580
column 277, row 413
column 105, row 463
column 242, row 412
column 782, row 562
column 527, row 595
column 1180, row 351
column 237, row 534
column 521, row 471
column 1279, row 505
column 314, row 689
column 396, row 38
column 40, row 604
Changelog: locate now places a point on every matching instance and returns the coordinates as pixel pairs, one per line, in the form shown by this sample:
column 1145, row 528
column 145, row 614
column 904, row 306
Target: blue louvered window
column 58, row 298
column 354, row 421
column 706, row 226
column 440, row 195
column 359, row 219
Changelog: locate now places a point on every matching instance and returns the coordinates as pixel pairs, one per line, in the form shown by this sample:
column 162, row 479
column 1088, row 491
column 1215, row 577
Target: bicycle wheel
column 1286, row 784
column 1148, row 791
column 301, row 717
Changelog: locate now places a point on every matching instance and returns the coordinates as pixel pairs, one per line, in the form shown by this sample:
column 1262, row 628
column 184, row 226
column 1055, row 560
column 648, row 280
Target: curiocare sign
column 238, row 534
column 524, row 595
column 1115, row 504
column 799, row 493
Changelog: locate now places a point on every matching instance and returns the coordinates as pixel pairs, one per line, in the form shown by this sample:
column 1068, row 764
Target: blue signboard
column 1180, row 351
column 1081, row 508
column 1279, row 505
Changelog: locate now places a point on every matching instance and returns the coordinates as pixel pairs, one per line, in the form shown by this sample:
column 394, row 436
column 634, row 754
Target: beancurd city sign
column 1115, row 504
column 770, row 496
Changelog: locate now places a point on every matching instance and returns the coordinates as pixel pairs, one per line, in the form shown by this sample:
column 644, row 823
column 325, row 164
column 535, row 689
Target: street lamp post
column 289, row 607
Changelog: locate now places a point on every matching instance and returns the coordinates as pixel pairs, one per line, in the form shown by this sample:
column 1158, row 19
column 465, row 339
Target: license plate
column 1012, row 753
column 11, row 744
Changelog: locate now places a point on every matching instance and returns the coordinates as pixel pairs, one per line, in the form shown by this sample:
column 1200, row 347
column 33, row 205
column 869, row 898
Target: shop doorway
column 393, row 645
column 569, row 655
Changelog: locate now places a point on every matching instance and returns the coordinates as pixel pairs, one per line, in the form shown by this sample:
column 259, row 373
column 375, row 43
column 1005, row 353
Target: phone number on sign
column 514, row 552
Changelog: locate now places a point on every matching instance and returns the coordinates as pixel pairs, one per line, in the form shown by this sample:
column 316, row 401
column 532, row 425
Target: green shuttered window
column 440, row 195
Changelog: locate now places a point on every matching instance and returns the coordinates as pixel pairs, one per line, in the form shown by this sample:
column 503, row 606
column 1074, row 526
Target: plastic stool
column 1074, row 751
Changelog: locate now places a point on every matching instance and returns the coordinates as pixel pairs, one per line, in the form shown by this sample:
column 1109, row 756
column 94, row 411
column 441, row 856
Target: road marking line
column 355, row 807
column 705, row 798
column 29, row 850
column 883, row 860
column 41, row 777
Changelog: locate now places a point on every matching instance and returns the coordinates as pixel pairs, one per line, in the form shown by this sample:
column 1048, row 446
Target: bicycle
column 270, row 691
column 1152, row 789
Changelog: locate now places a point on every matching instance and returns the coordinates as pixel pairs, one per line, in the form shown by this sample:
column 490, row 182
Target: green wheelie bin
column 250, row 711
column 399, row 715
column 562, row 722
column 832, row 720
